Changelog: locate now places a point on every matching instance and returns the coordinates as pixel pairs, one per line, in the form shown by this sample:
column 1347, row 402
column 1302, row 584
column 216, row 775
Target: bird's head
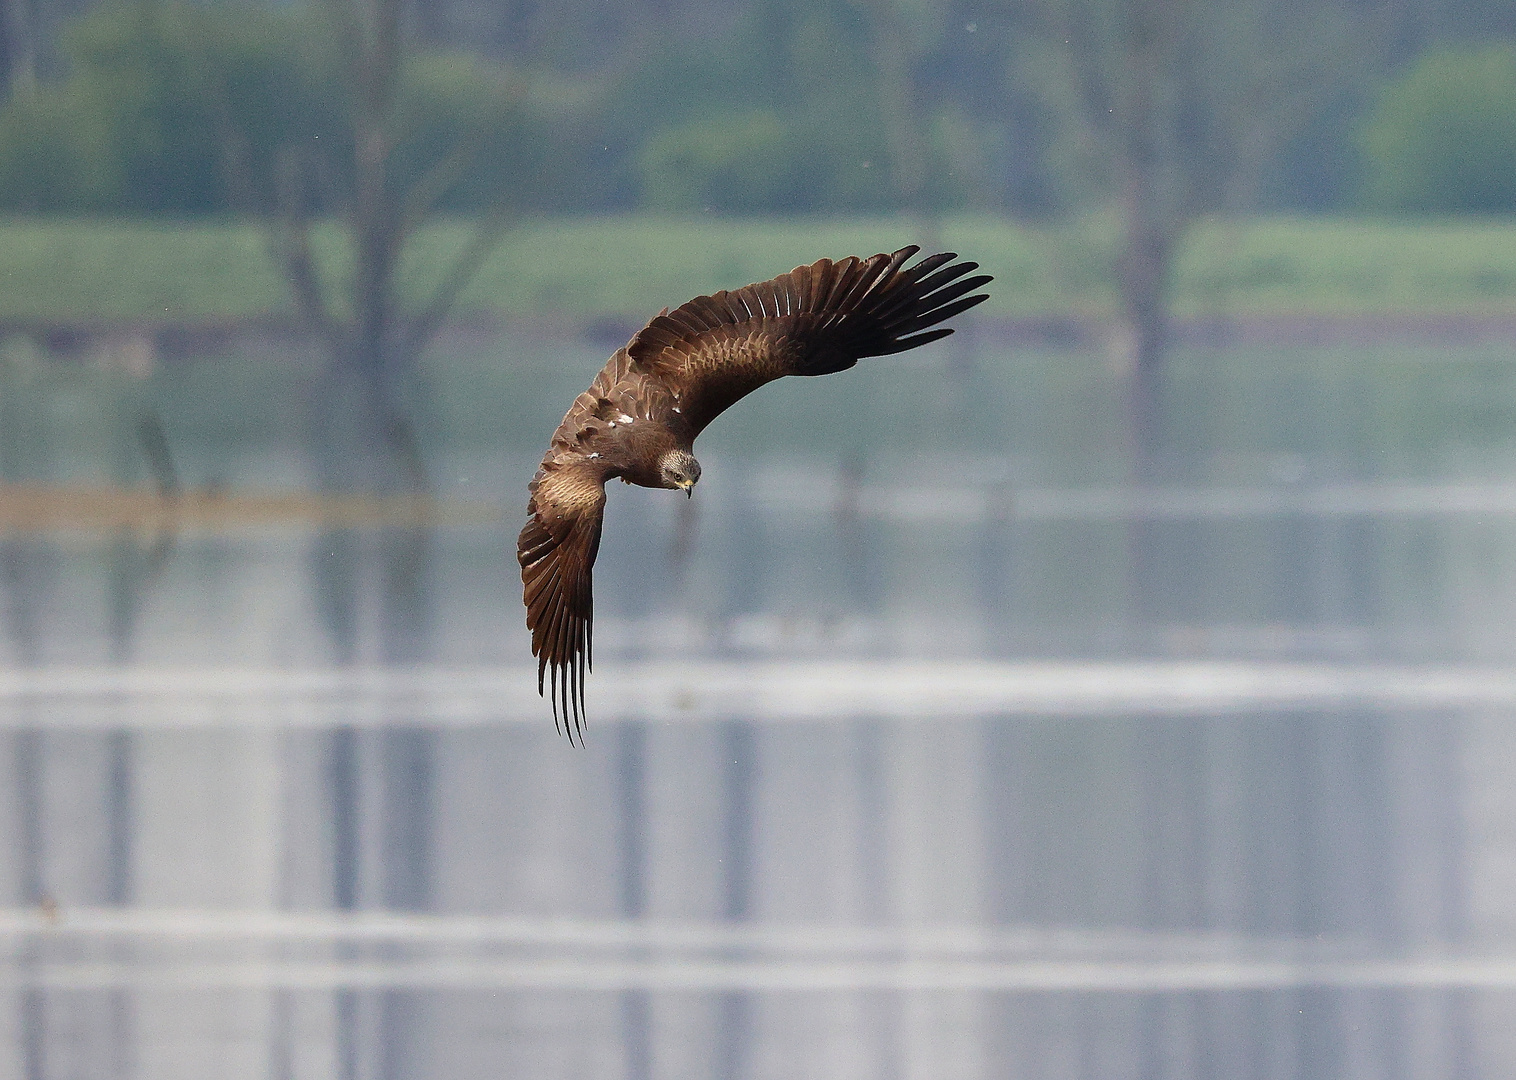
column 679, row 469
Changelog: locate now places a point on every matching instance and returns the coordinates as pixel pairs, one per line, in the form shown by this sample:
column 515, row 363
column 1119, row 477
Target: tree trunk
column 18, row 48
column 1143, row 266
column 1143, row 279
column 1143, row 271
column 378, row 344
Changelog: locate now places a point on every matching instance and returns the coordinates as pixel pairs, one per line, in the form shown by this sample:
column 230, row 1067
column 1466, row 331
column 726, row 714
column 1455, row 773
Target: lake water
column 920, row 744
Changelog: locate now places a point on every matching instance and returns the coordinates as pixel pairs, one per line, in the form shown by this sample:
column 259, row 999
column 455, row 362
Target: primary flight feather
column 639, row 418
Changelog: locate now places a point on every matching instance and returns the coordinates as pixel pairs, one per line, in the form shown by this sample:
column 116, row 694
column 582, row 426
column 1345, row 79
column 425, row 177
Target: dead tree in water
column 1179, row 105
column 373, row 341
column 378, row 344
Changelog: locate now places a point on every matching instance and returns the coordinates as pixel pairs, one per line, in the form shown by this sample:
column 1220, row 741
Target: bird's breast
column 642, row 444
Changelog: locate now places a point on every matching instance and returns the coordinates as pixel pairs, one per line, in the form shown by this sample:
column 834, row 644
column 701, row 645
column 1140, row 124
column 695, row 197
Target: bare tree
column 1178, row 106
column 372, row 338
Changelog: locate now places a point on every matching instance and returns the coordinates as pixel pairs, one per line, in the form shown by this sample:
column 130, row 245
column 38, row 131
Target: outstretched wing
column 557, row 549
column 814, row 320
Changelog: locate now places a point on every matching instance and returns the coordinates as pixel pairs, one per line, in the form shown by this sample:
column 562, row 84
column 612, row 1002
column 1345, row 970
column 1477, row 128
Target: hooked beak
column 689, row 489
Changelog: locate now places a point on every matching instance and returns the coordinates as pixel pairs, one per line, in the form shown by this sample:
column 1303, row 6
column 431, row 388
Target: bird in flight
column 639, row 418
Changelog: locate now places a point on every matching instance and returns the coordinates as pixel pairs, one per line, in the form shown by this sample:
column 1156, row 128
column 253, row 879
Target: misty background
column 1121, row 687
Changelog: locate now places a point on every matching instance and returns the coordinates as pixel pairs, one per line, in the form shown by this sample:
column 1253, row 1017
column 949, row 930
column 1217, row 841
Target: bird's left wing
column 557, row 550
column 817, row 319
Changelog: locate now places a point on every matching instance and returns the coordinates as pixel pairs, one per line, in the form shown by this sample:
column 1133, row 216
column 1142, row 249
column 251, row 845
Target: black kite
column 639, row 419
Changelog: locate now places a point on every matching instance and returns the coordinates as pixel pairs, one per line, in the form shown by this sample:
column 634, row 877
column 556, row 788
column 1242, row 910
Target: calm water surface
column 920, row 744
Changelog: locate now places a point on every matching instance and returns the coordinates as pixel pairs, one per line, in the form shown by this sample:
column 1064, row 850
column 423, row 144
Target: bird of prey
column 639, row 419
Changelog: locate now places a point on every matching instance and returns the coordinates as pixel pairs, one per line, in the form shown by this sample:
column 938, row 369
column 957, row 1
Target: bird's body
column 639, row 419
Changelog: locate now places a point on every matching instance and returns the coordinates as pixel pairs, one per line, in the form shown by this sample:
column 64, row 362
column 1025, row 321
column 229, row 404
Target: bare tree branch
column 287, row 230
column 368, row 337
column 487, row 235
column 424, row 195
column 290, row 240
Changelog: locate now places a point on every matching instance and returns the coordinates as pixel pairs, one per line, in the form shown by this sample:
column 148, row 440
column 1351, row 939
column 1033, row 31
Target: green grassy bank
column 625, row 267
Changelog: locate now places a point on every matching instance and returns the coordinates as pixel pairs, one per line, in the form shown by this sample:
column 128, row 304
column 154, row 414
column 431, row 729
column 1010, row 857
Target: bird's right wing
column 817, row 319
column 557, row 550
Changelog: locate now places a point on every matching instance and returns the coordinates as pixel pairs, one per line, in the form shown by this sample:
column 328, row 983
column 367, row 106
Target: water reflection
column 896, row 769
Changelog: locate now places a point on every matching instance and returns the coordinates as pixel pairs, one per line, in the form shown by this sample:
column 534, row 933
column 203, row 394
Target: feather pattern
column 557, row 550
column 676, row 375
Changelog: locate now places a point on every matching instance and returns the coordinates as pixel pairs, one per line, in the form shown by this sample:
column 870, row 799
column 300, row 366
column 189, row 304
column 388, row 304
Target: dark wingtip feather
column 938, row 314
column 902, row 304
column 902, row 344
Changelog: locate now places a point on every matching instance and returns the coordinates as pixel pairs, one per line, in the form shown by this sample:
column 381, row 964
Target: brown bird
column 639, row 419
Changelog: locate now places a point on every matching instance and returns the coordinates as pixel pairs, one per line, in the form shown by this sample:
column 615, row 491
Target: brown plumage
column 639, row 419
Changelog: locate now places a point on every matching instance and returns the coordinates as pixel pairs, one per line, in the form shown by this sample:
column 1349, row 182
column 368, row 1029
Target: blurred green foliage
column 140, row 119
column 186, row 109
column 772, row 116
column 1442, row 137
column 782, row 113
column 158, row 106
